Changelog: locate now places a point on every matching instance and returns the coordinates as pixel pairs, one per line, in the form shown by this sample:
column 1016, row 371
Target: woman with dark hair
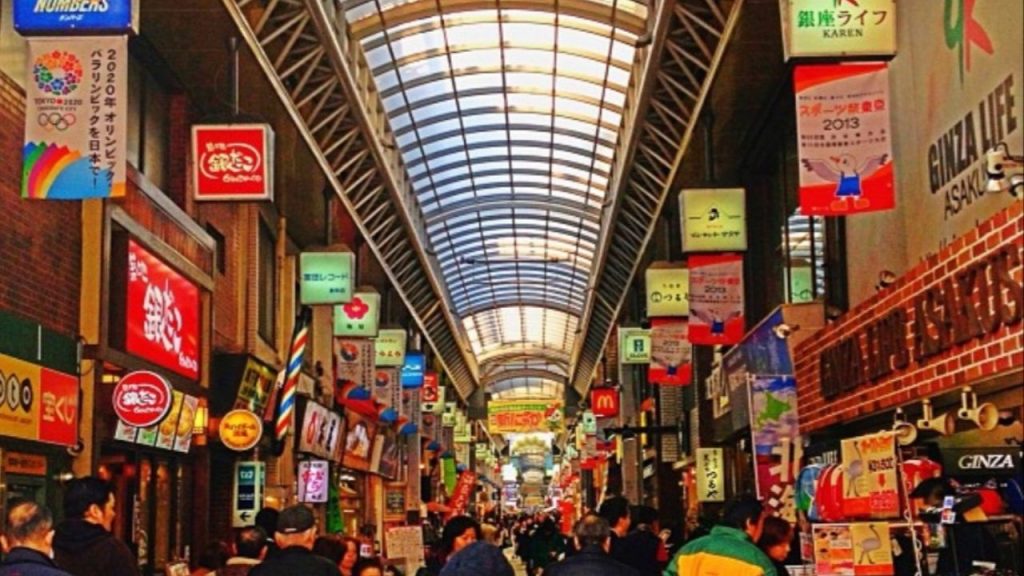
column 776, row 537
column 459, row 532
column 342, row 551
column 368, row 567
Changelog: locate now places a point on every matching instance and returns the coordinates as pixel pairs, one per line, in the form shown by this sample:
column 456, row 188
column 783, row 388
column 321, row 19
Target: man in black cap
column 296, row 532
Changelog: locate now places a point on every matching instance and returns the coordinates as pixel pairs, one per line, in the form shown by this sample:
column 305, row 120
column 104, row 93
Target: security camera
column 1005, row 171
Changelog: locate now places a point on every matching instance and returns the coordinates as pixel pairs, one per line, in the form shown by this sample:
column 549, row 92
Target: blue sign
column 40, row 17
column 249, row 478
column 412, row 370
column 764, row 352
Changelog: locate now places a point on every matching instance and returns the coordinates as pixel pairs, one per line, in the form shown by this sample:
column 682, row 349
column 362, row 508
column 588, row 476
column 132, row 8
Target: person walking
column 83, row 544
column 546, row 546
column 28, row 542
column 249, row 549
column 593, row 540
column 729, row 548
column 616, row 512
column 459, row 532
column 478, row 559
column 642, row 548
column 295, row 534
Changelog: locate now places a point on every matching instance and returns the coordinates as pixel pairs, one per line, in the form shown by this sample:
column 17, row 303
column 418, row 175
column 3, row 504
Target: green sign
column 668, row 290
column 390, row 347
column 359, row 317
column 448, row 416
column 714, row 219
column 483, row 452
column 326, row 277
column 461, row 432
column 634, row 346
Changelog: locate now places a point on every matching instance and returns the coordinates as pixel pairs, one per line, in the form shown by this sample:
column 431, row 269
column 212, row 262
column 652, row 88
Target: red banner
column 716, row 298
column 429, row 387
column 462, row 493
column 844, row 139
column 233, row 162
column 604, row 402
column 162, row 314
column 671, row 353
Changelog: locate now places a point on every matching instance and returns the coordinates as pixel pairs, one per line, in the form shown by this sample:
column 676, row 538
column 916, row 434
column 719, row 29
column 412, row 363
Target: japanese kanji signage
column 716, row 298
column 668, row 289
column 326, row 277
column 713, row 219
column 844, row 139
column 436, row 403
column 142, row 398
column 314, row 480
column 359, row 317
column 240, row 430
column 463, row 492
column 162, row 314
column 670, row 353
column 390, row 347
column 836, row 28
column 36, row 17
column 386, row 389
column 448, row 416
column 710, row 475
column 777, row 446
column 37, row 403
column 634, row 345
column 505, row 416
column 76, row 94
column 233, row 162
column 604, row 402
column 869, row 479
column 353, row 361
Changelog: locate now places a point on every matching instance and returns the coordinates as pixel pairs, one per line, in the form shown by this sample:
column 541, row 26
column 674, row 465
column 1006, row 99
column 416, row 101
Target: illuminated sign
column 713, row 219
column 314, row 481
column 81, row 17
column 839, row 28
column 233, row 162
column 359, row 317
column 240, row 430
column 506, row 416
column 142, row 398
column 412, row 370
column 389, row 347
column 710, row 475
column 37, row 403
column 604, row 402
column 668, row 290
column 634, row 346
column 326, row 277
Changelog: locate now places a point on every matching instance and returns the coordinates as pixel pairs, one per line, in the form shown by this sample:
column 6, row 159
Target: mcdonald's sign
column 604, row 402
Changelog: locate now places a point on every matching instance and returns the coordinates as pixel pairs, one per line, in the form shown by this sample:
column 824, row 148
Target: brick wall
column 40, row 241
column 994, row 353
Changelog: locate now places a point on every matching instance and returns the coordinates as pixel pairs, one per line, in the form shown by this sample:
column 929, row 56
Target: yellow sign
column 240, row 430
column 668, row 290
column 713, row 219
column 833, row 29
column 710, row 475
column 389, row 347
column 634, row 346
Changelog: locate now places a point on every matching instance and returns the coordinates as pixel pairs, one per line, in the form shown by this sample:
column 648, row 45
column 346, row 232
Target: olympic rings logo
column 57, row 72
column 55, row 120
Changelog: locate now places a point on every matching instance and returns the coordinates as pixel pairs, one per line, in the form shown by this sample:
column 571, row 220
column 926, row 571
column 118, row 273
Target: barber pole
column 286, row 405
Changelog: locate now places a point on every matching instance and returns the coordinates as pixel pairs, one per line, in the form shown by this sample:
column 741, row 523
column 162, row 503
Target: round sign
column 142, row 398
column 240, row 430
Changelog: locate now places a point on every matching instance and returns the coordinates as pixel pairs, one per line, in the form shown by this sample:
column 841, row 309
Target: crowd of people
column 616, row 540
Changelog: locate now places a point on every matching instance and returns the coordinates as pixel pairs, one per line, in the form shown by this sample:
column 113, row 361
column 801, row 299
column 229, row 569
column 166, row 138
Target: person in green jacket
column 730, row 548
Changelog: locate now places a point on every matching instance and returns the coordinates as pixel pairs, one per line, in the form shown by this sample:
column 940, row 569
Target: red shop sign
column 162, row 314
column 430, row 386
column 604, row 402
column 142, row 398
column 233, row 162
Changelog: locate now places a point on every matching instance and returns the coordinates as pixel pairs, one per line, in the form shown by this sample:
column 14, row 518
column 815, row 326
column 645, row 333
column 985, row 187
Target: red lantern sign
column 142, row 398
column 604, row 402
column 233, row 162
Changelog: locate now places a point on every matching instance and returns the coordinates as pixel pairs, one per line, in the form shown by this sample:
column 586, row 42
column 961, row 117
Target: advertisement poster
column 76, row 119
column 716, row 299
column 37, row 403
column 713, row 219
column 353, row 361
column 671, row 353
column 314, row 479
column 872, row 549
column 405, row 542
column 255, row 387
column 505, row 416
column 168, row 429
column 386, row 454
column 320, row 432
column 358, row 441
column 161, row 314
column 667, row 285
column 833, row 550
column 844, row 139
column 394, row 502
column 869, row 482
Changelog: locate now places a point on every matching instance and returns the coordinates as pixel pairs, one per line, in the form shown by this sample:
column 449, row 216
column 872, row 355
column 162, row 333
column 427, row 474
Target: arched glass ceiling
column 527, row 388
column 506, row 113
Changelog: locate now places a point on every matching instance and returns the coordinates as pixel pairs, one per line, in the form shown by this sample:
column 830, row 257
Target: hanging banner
column 462, row 433
column 833, row 550
column 353, row 361
column 236, row 162
column 254, row 390
column 313, row 480
column 390, row 347
column 326, row 277
column 869, row 476
column 671, row 353
column 713, row 219
column 604, row 402
column 634, row 345
column 505, row 416
column 359, row 317
column 872, row 549
column 320, row 432
column 37, row 403
column 710, row 475
column 668, row 289
column 777, row 447
column 844, row 139
column 462, row 493
column 827, row 28
column 386, row 389
column 431, row 393
column 716, row 299
column 76, row 120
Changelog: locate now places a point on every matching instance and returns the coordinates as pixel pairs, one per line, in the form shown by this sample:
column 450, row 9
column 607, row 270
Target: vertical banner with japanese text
column 76, row 101
column 353, row 361
column 716, row 299
column 670, row 353
column 777, row 448
column 844, row 139
column 710, row 475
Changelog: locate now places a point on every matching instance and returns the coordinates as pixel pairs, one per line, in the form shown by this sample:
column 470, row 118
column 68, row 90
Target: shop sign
column 321, row 430
column 142, row 398
column 449, row 414
column 604, row 402
column 482, row 452
column 386, row 389
column 949, row 313
column 412, row 374
column 588, row 421
column 837, row 29
column 431, row 392
column 710, row 475
column 668, row 290
column 506, row 416
column 671, row 353
column 390, row 347
column 37, row 403
column 247, row 500
column 869, row 476
column 716, row 299
column 359, row 317
column 462, row 434
column 314, row 481
column 462, row 493
column 844, row 139
column 436, row 407
column 634, row 345
column 162, row 314
column 76, row 120
column 714, row 219
column 326, row 277
column 24, row 464
column 255, row 388
column 233, row 162
column 988, row 461
column 240, row 430
column 55, row 17
column 394, row 502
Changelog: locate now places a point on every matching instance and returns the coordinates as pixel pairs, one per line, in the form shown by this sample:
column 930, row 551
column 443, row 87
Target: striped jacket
column 725, row 552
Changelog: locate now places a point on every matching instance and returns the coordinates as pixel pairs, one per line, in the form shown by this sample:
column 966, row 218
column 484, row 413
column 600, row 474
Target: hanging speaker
column 985, row 416
column 943, row 424
column 905, row 432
